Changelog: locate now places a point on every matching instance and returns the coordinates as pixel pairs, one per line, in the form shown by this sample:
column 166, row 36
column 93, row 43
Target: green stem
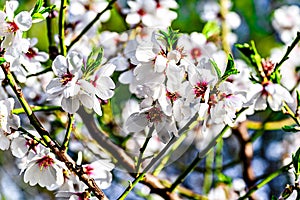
column 48, row 69
column 61, row 27
column 36, row 109
column 202, row 154
column 219, row 157
column 260, row 131
column 225, row 29
column 21, row 129
column 158, row 157
column 266, row 180
column 33, row 120
column 199, row 157
column 208, row 176
column 288, row 51
column 288, row 111
column 65, row 144
column 164, row 161
column 52, row 144
column 108, row 7
column 170, row 143
column 143, row 148
column 49, row 26
column 131, row 186
column 185, row 173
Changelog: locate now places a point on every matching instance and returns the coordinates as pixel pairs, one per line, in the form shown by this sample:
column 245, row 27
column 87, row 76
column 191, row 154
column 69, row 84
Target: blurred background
column 270, row 147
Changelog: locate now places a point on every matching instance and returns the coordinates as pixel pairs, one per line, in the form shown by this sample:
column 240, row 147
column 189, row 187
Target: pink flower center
column 88, row 170
column 30, row 53
column 154, row 115
column 45, row 162
column 141, row 12
column 32, row 144
column 67, row 77
column 172, row 96
column 200, row 89
column 264, row 92
column 268, row 67
column 195, row 53
column 13, row 27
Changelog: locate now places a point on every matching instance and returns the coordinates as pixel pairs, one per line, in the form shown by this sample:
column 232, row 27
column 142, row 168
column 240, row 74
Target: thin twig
column 159, row 156
column 97, row 17
column 48, row 69
column 288, row 51
column 49, row 26
column 143, row 148
column 166, row 158
column 45, row 135
column 65, row 144
column 224, row 4
column 61, row 27
column 208, row 176
column 202, row 154
column 37, row 109
column 267, row 180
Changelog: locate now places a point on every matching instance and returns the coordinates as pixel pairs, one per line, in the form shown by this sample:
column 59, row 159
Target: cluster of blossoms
column 150, row 14
column 77, row 82
column 24, row 58
column 174, row 78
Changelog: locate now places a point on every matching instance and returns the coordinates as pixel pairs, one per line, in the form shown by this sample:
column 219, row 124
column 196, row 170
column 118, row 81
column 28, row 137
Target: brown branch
column 246, row 153
column 154, row 183
column 55, row 148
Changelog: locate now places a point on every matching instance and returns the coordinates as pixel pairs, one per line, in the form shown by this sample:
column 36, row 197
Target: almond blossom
column 271, row 94
column 73, row 87
column 11, row 24
column 164, row 125
column 44, row 169
column 9, row 123
column 286, row 23
column 151, row 13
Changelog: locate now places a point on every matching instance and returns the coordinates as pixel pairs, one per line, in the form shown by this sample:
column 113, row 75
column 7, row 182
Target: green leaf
column 288, row 190
column 38, row 16
column 37, row 7
column 222, row 178
column 230, row 68
column 217, row 69
column 296, row 162
column 273, row 198
column 298, row 98
column 276, row 76
column 2, row 60
column 292, row 128
column 93, row 62
column 47, row 9
column 210, row 29
column 249, row 50
column 170, row 37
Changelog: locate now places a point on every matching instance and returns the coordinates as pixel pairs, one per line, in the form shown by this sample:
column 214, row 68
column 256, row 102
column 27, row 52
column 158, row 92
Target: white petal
column 23, row 21
column 19, row 147
column 86, row 100
column 126, row 77
column 133, row 18
column 97, row 106
column 160, row 63
column 70, row 105
column 144, row 52
column 4, row 142
column 106, row 70
column 59, row 65
column 11, row 7
column 136, row 122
